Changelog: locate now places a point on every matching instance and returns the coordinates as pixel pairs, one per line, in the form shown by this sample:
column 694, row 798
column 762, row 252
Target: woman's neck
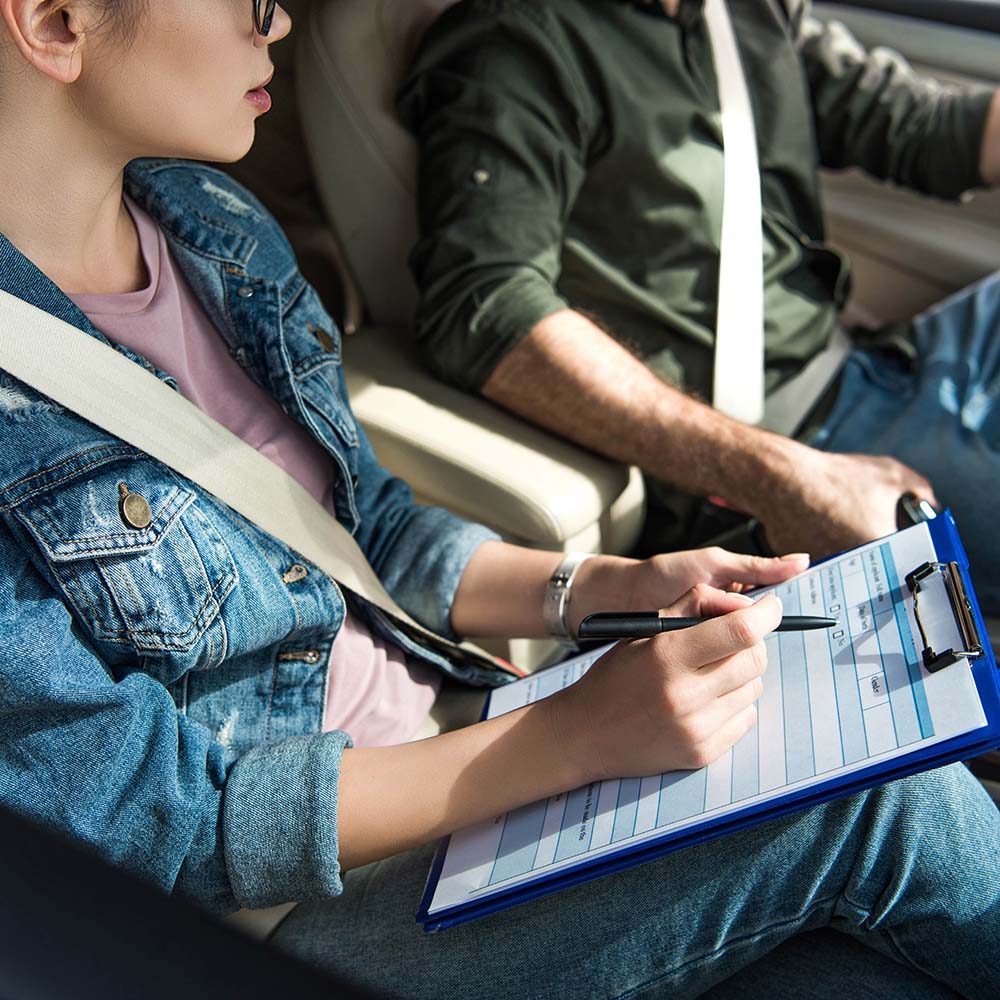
column 61, row 205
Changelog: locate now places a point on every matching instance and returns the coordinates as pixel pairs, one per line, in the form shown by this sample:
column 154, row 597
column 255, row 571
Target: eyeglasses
column 263, row 15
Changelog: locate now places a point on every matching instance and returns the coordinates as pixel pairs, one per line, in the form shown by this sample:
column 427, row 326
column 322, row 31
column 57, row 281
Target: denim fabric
column 162, row 689
column 910, row 870
column 942, row 417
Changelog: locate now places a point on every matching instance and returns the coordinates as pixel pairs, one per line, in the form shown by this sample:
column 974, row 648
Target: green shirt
column 571, row 155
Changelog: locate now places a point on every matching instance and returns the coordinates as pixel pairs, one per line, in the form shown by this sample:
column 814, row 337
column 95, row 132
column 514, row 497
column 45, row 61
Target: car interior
column 347, row 197
column 345, row 192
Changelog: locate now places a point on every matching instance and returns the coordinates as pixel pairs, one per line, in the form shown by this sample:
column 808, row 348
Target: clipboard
column 947, row 575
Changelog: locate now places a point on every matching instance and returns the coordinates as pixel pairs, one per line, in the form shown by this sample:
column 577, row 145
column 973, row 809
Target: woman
column 178, row 691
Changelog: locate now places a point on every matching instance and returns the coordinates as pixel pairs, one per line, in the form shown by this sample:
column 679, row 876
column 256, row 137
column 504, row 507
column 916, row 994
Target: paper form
column 835, row 700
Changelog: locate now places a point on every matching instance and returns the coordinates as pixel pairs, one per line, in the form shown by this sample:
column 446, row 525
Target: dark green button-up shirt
column 571, row 155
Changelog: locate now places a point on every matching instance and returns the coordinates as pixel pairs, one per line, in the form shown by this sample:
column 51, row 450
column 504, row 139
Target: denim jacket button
column 324, row 338
column 244, row 292
column 295, row 573
column 134, row 509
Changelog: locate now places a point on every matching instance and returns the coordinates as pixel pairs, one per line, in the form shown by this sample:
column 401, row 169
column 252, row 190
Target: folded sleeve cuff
column 280, row 821
column 441, row 544
column 509, row 312
column 956, row 148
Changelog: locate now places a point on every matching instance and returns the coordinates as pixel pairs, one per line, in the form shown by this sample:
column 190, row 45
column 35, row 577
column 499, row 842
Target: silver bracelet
column 558, row 592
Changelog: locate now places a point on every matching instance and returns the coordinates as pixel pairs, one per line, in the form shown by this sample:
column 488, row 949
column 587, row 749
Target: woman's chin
column 217, row 152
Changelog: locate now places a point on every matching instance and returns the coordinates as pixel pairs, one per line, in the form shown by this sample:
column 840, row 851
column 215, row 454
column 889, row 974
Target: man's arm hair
column 571, row 377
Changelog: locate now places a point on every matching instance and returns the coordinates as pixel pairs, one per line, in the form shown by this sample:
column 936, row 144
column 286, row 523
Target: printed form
column 835, row 700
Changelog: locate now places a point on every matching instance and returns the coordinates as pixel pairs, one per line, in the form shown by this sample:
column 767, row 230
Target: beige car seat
column 455, row 449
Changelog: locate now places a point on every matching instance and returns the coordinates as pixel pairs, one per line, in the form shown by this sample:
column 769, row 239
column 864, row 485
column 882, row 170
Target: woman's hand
column 678, row 700
column 613, row 584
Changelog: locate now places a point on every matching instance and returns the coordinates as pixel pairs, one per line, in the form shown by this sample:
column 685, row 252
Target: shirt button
column 295, row 573
column 244, row 292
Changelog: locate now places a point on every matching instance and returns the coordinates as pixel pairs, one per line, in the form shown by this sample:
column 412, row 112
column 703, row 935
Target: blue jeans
column 943, row 419
column 906, row 878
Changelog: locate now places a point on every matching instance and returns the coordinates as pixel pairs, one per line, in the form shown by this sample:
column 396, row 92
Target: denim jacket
column 162, row 689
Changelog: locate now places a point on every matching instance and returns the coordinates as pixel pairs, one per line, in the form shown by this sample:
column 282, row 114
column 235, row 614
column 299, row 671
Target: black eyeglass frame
column 262, row 21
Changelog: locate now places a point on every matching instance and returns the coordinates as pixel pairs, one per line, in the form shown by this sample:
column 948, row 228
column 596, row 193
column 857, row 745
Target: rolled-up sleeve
column 418, row 552
column 503, row 125
column 873, row 111
column 280, row 821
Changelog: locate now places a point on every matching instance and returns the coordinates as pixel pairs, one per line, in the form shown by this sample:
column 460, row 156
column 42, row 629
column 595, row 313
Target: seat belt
column 95, row 381
column 738, row 379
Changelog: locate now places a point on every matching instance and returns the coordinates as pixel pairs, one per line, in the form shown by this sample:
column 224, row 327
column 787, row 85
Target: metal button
column 324, row 338
column 480, row 176
column 134, row 508
column 300, row 656
column 295, row 573
column 244, row 292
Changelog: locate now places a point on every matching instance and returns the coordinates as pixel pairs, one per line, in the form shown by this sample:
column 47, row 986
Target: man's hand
column 831, row 502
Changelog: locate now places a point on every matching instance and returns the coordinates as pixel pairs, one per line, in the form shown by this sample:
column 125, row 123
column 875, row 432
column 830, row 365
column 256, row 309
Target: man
column 570, row 202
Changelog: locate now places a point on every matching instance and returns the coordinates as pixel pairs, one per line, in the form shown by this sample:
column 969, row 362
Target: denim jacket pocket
column 152, row 585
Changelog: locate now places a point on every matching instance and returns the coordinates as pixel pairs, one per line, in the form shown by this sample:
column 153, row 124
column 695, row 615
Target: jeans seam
column 760, row 932
column 886, row 934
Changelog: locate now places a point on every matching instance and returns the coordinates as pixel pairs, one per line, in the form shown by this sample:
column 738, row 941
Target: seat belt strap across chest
column 738, row 378
column 104, row 387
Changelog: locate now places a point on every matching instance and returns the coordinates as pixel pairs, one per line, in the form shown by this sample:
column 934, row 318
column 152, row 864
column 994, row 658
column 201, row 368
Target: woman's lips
column 259, row 98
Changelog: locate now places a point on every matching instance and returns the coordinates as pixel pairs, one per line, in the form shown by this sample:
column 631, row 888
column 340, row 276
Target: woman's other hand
column 608, row 583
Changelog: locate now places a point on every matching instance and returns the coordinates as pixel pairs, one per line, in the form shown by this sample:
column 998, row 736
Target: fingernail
column 796, row 556
column 781, row 607
column 740, row 597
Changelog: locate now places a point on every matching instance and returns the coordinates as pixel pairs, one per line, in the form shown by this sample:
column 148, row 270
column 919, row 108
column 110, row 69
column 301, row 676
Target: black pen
column 642, row 624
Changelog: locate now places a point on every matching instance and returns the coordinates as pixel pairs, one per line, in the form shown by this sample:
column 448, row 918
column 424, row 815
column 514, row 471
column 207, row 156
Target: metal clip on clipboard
column 961, row 608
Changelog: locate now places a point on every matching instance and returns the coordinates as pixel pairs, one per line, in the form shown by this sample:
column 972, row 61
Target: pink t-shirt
column 373, row 691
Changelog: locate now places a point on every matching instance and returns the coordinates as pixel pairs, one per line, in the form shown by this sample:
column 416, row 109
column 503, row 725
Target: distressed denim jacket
column 162, row 689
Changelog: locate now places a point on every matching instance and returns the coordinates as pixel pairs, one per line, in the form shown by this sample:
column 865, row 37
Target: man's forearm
column 571, row 377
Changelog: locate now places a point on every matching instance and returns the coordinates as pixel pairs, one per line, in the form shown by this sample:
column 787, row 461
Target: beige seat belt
column 738, row 381
column 101, row 385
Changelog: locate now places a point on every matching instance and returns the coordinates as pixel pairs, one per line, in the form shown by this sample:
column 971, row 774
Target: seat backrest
column 350, row 60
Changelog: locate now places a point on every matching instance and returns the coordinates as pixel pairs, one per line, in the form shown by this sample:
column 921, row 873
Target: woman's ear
column 50, row 34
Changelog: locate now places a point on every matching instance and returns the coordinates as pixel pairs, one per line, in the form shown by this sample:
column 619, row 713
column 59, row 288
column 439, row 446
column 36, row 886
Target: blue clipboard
column 949, row 549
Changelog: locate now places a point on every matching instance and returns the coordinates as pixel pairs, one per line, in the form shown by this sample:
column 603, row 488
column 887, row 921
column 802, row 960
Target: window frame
column 980, row 15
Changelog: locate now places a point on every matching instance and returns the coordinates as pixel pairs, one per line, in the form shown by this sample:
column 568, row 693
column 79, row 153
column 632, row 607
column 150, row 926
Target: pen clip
column 961, row 608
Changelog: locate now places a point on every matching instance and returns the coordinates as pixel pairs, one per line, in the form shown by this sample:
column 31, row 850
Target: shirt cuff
column 508, row 313
column 440, row 544
column 280, row 821
column 958, row 144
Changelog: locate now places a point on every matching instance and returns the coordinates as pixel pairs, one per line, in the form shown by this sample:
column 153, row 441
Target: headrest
column 351, row 58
